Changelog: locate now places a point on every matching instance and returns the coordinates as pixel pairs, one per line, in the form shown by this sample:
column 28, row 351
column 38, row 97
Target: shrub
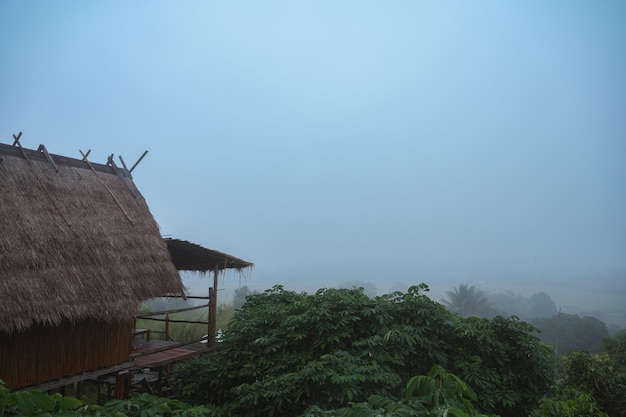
column 287, row 351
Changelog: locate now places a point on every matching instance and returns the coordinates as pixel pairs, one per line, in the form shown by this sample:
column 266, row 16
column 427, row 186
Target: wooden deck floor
column 159, row 352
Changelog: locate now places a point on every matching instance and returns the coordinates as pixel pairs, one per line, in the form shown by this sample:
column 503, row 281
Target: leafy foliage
column 569, row 402
column 595, row 374
column 506, row 366
column 39, row 404
column 438, row 393
column 541, row 305
column 587, row 386
column 615, row 347
column 285, row 352
column 34, row 403
column 369, row 288
column 147, row 405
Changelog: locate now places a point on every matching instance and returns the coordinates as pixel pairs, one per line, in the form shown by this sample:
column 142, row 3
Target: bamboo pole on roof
column 105, row 186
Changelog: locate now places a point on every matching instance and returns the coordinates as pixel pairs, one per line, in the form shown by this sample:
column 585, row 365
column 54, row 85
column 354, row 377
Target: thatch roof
column 75, row 244
column 189, row 256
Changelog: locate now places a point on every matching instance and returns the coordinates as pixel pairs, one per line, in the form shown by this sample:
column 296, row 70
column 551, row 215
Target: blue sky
column 391, row 142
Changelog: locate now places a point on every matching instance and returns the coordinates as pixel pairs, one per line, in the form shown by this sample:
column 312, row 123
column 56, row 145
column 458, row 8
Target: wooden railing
column 167, row 320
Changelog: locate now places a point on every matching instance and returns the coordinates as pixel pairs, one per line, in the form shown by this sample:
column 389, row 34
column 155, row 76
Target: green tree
column 590, row 385
column 508, row 303
column 369, row 289
column 504, row 364
column 567, row 333
column 595, row 374
column 239, row 297
column 569, row 402
column 541, row 305
column 615, row 347
column 467, row 300
column 287, row 351
column 438, row 393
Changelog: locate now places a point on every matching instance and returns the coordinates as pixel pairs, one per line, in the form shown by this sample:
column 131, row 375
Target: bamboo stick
column 105, row 186
column 168, row 320
column 178, row 310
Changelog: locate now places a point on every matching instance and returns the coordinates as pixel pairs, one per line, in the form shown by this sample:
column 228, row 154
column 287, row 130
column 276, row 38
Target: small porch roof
column 189, row 256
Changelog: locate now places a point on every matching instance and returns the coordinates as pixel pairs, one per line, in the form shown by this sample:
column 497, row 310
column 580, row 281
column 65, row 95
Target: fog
column 605, row 305
column 391, row 144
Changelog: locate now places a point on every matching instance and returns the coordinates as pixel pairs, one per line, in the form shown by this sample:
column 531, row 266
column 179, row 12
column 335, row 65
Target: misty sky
column 390, row 142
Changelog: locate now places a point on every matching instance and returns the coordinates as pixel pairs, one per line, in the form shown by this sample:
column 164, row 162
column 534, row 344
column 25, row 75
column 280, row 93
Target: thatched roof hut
column 78, row 242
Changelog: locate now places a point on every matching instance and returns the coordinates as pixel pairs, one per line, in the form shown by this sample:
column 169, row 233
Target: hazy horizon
column 607, row 306
column 436, row 142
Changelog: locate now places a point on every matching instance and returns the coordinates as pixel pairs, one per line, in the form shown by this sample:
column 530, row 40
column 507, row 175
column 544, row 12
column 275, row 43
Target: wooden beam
column 78, row 378
column 43, row 149
column 178, row 310
column 16, row 139
column 138, row 161
column 213, row 311
column 191, row 297
column 171, row 346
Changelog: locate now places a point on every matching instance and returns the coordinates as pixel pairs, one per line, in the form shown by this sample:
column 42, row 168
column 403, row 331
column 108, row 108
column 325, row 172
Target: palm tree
column 467, row 300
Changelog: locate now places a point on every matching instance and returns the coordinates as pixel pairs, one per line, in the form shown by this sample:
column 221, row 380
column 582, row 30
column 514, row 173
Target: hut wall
column 43, row 353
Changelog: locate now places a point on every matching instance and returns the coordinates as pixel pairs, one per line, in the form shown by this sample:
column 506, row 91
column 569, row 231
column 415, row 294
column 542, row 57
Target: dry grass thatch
column 189, row 256
column 75, row 244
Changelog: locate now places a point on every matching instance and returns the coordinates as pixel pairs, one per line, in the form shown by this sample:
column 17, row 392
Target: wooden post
column 212, row 321
column 213, row 310
column 122, row 385
column 209, row 318
column 167, row 327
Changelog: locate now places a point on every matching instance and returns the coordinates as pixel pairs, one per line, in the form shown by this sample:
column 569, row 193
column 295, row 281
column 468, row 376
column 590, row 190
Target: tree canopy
column 239, row 297
column 285, row 352
column 570, row 332
column 467, row 300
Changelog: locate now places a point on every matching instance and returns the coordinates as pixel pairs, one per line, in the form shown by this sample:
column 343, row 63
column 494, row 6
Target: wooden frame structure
column 189, row 256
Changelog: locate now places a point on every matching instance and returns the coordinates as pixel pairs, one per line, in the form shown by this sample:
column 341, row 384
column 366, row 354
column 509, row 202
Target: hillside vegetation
column 339, row 352
column 286, row 352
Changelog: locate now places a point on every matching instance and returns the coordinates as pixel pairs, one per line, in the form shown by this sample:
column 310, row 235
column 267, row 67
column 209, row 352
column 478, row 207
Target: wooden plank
column 139, row 332
column 166, row 356
column 43, row 149
column 153, row 346
column 77, row 378
column 168, row 320
column 191, row 297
